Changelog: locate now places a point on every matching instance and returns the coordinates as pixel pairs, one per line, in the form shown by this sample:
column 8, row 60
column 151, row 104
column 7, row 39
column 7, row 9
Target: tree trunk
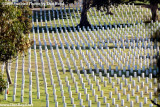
column 109, row 10
column 1, row 90
column 8, row 75
column 57, row 4
column 154, row 8
column 84, row 20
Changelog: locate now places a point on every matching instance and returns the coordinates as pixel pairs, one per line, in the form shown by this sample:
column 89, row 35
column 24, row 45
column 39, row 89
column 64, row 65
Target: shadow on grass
column 54, row 14
column 76, row 28
column 112, row 74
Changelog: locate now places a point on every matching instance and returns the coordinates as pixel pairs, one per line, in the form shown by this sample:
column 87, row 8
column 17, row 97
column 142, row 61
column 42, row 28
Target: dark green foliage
column 153, row 1
column 100, row 3
column 3, row 84
column 14, row 24
column 104, row 3
column 87, row 4
column 150, row 1
column 69, row 1
column 25, row 18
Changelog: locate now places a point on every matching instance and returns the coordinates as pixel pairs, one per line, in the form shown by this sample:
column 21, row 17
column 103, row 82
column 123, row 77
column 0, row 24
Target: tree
column 84, row 20
column 153, row 6
column 2, row 84
column 87, row 4
column 57, row 1
column 15, row 24
column 69, row 1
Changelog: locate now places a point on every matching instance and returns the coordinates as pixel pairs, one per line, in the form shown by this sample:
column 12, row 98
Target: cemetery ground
column 62, row 62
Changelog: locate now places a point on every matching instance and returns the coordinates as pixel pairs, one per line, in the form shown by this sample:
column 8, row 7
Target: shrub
column 2, row 84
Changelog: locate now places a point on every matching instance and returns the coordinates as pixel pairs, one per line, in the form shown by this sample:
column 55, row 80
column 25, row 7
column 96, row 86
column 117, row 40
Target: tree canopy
column 105, row 4
column 15, row 25
column 69, row 1
column 153, row 6
column 87, row 4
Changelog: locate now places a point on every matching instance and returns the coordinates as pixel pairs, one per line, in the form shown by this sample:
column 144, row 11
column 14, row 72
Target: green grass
column 102, row 35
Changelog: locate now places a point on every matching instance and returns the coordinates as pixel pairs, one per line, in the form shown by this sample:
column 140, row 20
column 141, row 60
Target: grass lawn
column 94, row 57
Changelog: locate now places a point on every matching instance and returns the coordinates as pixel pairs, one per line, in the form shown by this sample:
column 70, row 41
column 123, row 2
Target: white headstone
column 126, row 82
column 121, row 86
column 110, row 94
column 150, row 85
column 98, row 104
column 150, row 76
column 146, row 80
column 145, row 100
column 131, row 104
column 139, row 78
column 124, row 91
column 128, row 97
column 122, row 102
column 64, row 104
column 146, row 89
column 72, row 100
column 130, row 78
column 81, row 102
column 89, row 103
column 141, row 93
column 14, row 98
column 135, row 74
column 87, row 97
column 74, row 105
column 140, row 104
column 93, row 92
column 105, row 83
column 112, row 84
column 97, row 82
column 113, row 101
column 56, row 104
column 63, row 99
column 85, row 91
column 108, row 105
column 110, row 80
column 70, row 94
column 102, row 93
column 155, row 90
column 119, row 96
column 142, row 84
column 79, row 96
column 91, row 86
column 133, row 92
column 99, row 88
column 133, row 83
column 96, row 98
column 150, row 105
column 118, row 81
column 143, row 75
column 116, row 105
column 155, row 81
column 137, row 99
column 55, row 98
column 150, row 95
column 104, row 99
column 116, row 90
